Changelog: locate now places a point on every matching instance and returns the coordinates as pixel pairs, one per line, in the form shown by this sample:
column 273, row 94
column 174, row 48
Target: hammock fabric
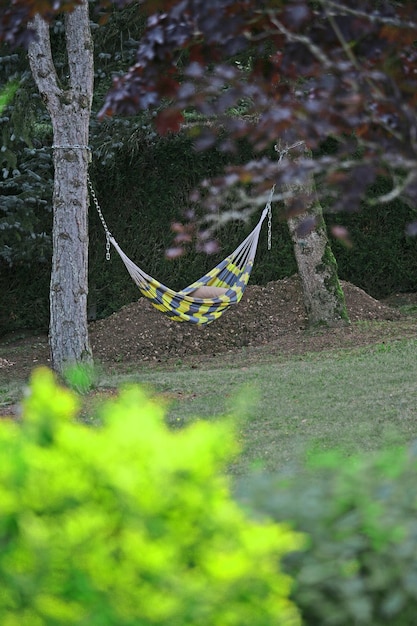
column 225, row 284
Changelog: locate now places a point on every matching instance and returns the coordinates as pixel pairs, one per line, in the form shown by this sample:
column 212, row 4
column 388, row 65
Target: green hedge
column 129, row 523
column 140, row 198
column 383, row 259
column 360, row 566
column 142, row 193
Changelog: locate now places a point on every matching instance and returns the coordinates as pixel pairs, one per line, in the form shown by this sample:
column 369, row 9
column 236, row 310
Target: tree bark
column 324, row 299
column 70, row 115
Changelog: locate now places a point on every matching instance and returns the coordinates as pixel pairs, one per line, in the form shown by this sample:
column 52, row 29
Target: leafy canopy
column 303, row 71
column 299, row 70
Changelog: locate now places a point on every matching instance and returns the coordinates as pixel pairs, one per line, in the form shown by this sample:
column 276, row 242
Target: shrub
column 360, row 566
column 129, row 523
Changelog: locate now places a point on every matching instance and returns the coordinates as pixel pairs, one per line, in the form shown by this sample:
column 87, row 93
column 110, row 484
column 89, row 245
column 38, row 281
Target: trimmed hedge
column 383, row 258
column 142, row 195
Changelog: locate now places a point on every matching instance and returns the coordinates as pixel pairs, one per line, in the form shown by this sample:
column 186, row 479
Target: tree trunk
column 70, row 114
column 324, row 299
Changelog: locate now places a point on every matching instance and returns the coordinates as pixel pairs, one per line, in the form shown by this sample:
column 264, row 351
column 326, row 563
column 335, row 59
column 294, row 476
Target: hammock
column 206, row 299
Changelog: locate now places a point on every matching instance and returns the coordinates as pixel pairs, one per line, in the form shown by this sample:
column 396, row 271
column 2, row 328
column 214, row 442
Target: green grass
column 10, row 393
column 352, row 400
column 356, row 400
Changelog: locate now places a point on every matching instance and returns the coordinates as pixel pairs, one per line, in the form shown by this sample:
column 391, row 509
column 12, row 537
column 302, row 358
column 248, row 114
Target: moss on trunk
column 324, row 299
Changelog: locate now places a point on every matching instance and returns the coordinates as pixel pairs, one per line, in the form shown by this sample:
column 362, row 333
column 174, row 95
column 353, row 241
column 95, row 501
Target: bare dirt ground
column 269, row 322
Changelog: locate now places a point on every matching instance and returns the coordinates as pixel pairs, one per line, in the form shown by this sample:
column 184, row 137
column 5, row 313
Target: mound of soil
column 269, row 315
column 268, row 322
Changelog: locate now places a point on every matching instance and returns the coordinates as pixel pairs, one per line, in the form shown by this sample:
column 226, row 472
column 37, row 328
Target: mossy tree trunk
column 324, row 299
column 70, row 110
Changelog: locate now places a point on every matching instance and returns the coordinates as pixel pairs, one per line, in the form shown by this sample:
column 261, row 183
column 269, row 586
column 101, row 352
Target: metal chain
column 269, row 227
column 270, row 218
column 92, row 192
column 67, row 146
column 282, row 152
column 101, row 216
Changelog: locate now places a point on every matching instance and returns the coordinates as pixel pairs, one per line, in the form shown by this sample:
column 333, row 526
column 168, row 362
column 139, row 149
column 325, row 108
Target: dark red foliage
column 279, row 71
column 309, row 71
column 15, row 15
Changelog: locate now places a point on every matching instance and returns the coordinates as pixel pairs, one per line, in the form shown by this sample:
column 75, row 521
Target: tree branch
column 42, row 64
column 374, row 17
column 79, row 49
column 302, row 39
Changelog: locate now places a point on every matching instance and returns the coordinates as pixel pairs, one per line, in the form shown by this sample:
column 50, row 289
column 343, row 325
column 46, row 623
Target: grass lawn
column 353, row 400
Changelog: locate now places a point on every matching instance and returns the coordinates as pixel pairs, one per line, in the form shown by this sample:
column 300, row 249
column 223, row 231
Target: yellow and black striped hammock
column 208, row 298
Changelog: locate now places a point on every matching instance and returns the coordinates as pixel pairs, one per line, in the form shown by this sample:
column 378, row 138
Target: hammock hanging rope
column 206, row 299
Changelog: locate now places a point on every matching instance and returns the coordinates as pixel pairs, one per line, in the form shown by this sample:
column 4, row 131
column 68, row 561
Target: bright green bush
column 129, row 523
column 360, row 566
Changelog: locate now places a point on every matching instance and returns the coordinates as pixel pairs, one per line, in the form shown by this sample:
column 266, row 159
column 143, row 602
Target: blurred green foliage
column 360, row 514
column 130, row 523
column 6, row 94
